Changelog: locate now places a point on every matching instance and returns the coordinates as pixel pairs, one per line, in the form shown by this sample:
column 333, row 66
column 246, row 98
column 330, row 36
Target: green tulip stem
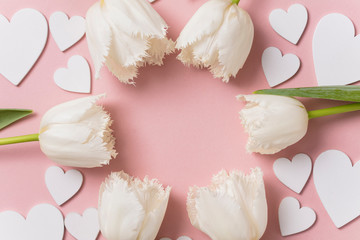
column 19, row 139
column 235, row 1
column 334, row 110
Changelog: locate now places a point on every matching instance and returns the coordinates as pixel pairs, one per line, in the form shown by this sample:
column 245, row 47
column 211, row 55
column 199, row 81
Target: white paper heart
column 43, row 222
column 336, row 51
column 179, row 238
column 293, row 174
column 62, row 186
column 294, row 219
column 278, row 68
column 291, row 24
column 76, row 78
column 66, row 32
column 85, row 227
column 338, row 184
column 21, row 43
column 184, row 238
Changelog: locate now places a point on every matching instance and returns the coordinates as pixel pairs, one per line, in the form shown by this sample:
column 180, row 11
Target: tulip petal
column 135, row 35
column 76, row 145
column 71, row 111
column 232, row 207
column 77, row 133
column 234, row 41
column 98, row 36
column 272, row 122
column 120, row 212
column 204, row 22
column 148, row 198
column 222, row 42
column 158, row 49
column 135, row 18
column 154, row 199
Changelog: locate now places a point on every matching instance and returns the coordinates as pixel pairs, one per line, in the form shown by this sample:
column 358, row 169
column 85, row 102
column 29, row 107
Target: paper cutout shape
column 21, row 43
column 336, row 51
column 278, row 68
column 85, row 227
column 43, row 222
column 66, row 32
column 293, row 174
column 294, row 219
column 184, row 238
column 76, row 78
column 62, row 186
column 337, row 183
column 291, row 24
column 179, row 238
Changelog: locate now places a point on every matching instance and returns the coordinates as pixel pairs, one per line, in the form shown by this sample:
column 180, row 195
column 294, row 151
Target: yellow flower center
column 102, row 2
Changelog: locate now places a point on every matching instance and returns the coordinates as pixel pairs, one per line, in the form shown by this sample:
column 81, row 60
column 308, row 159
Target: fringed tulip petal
column 138, row 36
column 77, row 133
column 219, row 36
column 272, row 122
column 233, row 207
column 131, row 209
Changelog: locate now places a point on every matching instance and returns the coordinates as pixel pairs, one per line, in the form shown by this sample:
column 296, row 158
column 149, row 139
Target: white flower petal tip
column 77, row 133
column 130, row 208
column 272, row 122
column 219, row 36
column 233, row 207
column 125, row 35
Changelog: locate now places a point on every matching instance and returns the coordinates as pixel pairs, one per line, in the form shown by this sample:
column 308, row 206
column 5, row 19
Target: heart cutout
column 292, row 218
column 66, row 32
column 293, row 174
column 291, row 24
column 22, row 42
column 85, row 227
column 179, row 238
column 43, row 222
column 75, row 78
column 62, row 186
column 336, row 51
column 337, row 183
column 278, row 68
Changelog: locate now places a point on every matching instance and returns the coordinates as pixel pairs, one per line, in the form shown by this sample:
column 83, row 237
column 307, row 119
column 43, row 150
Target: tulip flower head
column 219, row 36
column 233, row 207
column 77, row 133
column 131, row 209
column 126, row 34
column 272, row 122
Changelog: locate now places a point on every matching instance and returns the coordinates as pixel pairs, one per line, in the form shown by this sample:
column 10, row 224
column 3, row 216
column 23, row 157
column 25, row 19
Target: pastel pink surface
column 178, row 124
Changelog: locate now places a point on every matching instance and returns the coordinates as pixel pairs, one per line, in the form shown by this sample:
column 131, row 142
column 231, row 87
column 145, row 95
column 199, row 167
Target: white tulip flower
column 233, row 207
column 77, row 133
column 219, row 36
column 272, row 122
column 126, row 34
column 131, row 209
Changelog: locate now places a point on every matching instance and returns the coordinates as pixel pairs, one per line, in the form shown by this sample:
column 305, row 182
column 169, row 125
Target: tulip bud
column 272, row 122
column 126, row 34
column 131, row 209
column 77, row 133
column 219, row 36
column 233, row 207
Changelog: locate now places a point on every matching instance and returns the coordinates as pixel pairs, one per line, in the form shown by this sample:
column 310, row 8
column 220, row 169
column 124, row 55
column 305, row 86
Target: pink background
column 178, row 124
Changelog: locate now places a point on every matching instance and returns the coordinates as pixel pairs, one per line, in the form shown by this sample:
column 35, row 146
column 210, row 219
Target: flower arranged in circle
column 219, row 36
column 125, row 35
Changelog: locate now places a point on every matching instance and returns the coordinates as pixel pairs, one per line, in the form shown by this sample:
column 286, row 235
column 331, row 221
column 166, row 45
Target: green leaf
column 8, row 116
column 341, row 93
